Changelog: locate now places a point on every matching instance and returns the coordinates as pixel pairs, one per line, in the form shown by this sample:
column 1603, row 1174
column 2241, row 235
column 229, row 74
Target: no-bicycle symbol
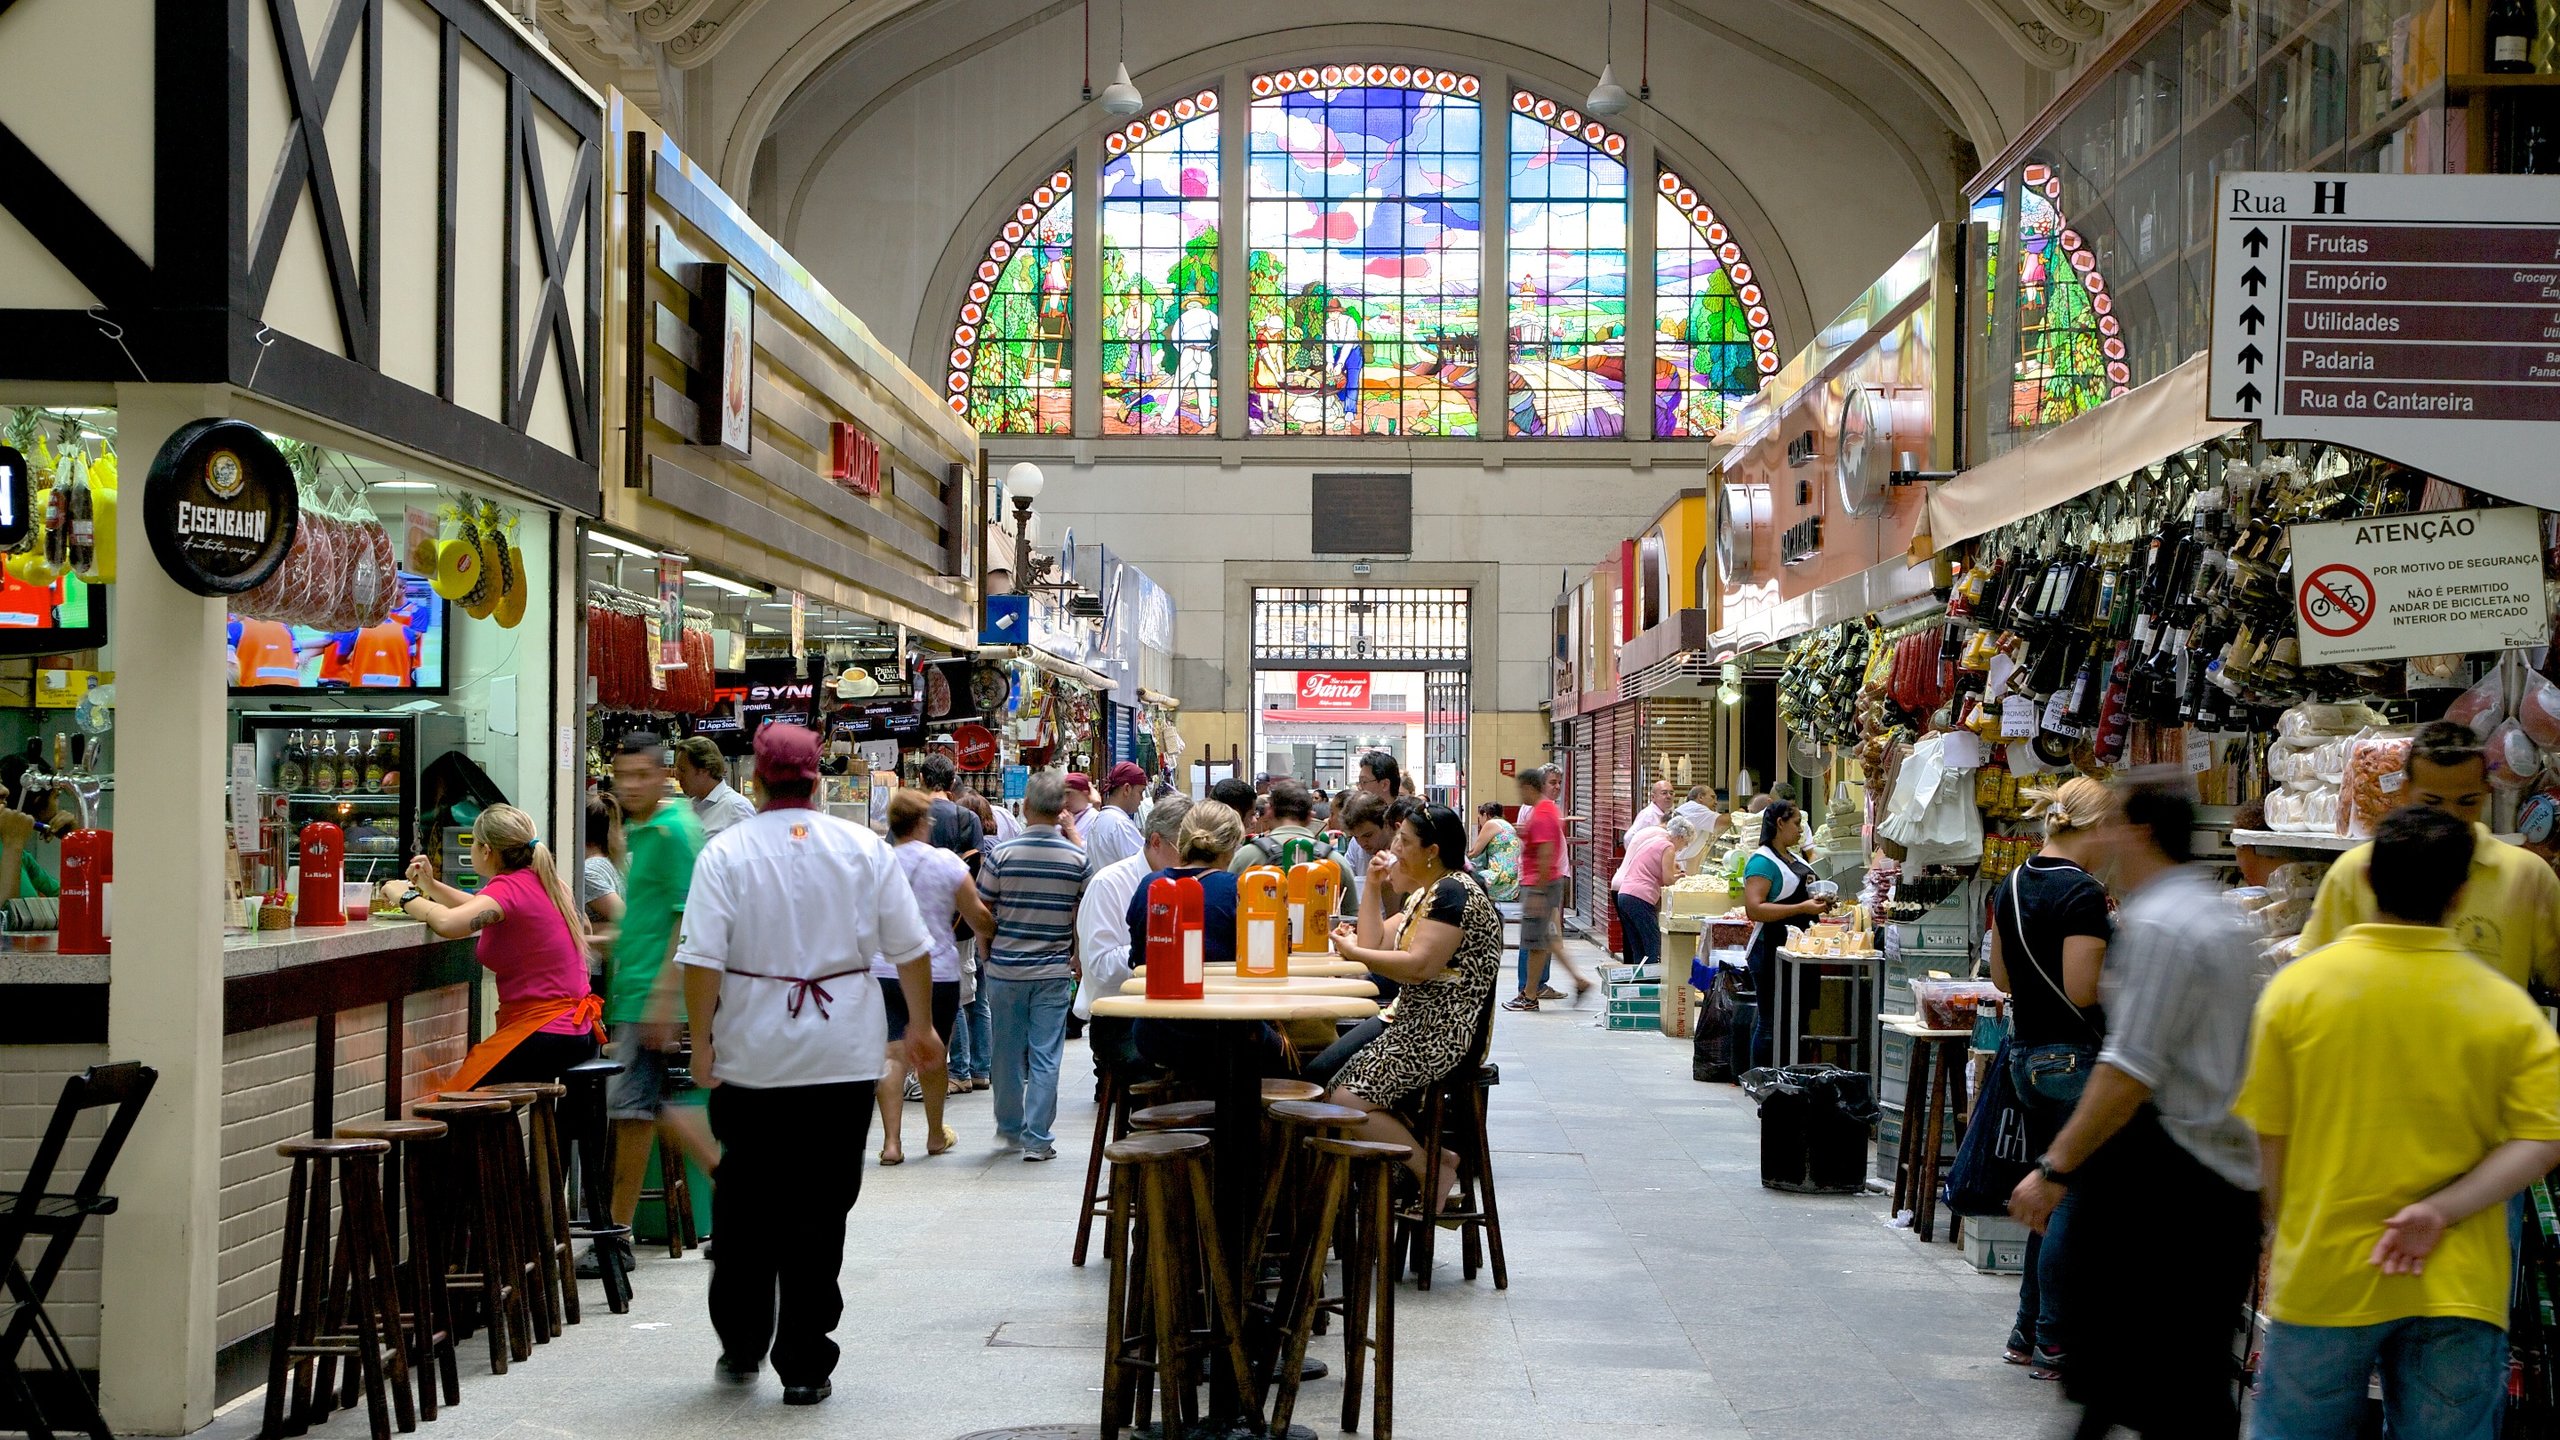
column 2337, row 600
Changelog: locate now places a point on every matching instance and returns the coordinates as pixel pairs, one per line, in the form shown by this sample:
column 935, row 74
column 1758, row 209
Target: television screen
column 69, row 614
column 405, row 652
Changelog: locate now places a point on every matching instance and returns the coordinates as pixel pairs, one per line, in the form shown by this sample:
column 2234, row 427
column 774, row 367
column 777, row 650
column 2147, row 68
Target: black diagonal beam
column 310, row 90
column 87, row 246
column 554, row 326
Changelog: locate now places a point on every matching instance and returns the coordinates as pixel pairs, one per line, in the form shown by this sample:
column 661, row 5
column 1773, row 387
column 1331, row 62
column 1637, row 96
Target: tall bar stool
column 1183, row 1116
column 338, row 1302
column 1164, row 1253
column 1291, row 1090
column 1276, row 1227
column 1361, row 1171
column 588, row 1133
column 550, row 1176
column 1110, row 1122
column 482, row 1249
column 1453, row 1122
column 427, row 1301
column 517, row 1183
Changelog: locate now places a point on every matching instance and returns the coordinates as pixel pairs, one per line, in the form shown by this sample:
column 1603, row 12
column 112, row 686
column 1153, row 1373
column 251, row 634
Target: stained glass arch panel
column 1012, row 368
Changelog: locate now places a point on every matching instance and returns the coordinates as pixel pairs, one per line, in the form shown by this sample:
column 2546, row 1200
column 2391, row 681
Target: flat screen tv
column 69, row 614
column 405, row 653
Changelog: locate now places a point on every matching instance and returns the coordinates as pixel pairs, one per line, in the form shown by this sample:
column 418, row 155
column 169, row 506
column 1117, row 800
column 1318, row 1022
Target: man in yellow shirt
column 2401, row 1093
column 2509, row 912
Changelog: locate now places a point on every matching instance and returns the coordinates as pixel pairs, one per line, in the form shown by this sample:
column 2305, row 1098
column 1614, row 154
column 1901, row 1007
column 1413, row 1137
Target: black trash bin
column 1815, row 1121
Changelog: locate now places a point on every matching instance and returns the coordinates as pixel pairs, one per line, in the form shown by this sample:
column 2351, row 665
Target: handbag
column 2057, row 1072
column 1993, row 1157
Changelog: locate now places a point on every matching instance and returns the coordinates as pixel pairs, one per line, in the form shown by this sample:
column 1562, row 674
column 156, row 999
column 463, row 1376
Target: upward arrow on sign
column 2253, row 280
column 2252, row 318
column 2255, row 242
column 2250, row 358
column 2248, row 397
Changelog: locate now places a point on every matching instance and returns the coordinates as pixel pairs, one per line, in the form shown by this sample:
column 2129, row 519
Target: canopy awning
column 2143, row 426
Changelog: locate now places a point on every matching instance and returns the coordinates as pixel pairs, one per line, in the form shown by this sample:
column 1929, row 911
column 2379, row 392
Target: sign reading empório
column 1333, row 689
column 2435, row 583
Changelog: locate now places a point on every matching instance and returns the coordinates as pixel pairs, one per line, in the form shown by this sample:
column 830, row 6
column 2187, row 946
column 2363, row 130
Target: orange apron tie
column 518, row 1020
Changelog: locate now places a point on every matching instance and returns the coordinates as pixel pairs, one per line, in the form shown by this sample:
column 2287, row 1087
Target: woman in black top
column 2049, row 940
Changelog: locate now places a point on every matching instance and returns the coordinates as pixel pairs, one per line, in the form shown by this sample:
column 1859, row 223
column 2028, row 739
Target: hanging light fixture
column 1608, row 97
column 1120, row 97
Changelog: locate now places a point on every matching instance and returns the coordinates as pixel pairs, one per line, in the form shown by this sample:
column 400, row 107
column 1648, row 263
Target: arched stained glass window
column 1011, row 373
column 1712, row 346
column 2070, row 349
column 1567, row 272
column 1363, row 219
column 1160, row 216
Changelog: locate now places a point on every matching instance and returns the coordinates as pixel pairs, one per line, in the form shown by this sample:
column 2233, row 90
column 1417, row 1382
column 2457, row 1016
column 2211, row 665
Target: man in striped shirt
column 1033, row 883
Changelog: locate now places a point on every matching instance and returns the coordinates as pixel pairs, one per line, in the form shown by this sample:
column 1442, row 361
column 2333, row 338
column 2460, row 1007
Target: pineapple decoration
column 74, row 510
column 477, row 563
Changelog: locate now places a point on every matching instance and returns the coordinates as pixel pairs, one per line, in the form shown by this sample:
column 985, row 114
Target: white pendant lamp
column 1121, row 98
column 1608, row 97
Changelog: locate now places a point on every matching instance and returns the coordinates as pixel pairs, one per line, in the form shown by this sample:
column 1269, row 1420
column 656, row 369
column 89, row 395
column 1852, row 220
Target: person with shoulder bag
column 2049, row 934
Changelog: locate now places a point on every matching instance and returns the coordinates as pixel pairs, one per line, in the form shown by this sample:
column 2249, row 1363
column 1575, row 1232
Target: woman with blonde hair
column 531, row 937
column 1210, row 835
column 2049, row 934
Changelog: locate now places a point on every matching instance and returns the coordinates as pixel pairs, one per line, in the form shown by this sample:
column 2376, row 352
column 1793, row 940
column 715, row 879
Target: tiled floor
column 1656, row 1289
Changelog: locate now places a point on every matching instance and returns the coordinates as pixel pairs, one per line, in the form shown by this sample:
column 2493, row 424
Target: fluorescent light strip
column 720, row 582
column 625, row 546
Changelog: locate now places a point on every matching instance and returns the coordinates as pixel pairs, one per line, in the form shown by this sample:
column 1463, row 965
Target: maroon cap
column 786, row 753
column 1124, row 774
column 1080, row 782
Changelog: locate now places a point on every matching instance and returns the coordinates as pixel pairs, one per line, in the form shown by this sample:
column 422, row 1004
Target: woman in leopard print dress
column 1446, row 953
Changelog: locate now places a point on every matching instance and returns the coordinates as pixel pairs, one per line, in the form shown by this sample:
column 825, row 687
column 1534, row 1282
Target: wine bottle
column 2508, row 45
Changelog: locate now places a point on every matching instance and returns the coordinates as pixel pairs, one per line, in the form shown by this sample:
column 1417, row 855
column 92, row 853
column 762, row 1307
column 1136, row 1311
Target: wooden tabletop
column 1905, row 1025
column 1285, row 985
column 1331, row 968
column 1228, row 1005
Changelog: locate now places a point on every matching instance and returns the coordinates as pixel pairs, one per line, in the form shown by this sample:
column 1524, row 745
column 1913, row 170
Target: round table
column 1237, row 1130
column 1321, row 965
column 1279, row 985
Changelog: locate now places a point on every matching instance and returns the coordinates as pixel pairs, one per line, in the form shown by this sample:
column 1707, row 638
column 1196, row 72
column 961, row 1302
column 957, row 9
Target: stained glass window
column 1011, row 373
column 1567, row 272
column 1363, row 219
column 1712, row 346
column 2070, row 351
column 1160, row 215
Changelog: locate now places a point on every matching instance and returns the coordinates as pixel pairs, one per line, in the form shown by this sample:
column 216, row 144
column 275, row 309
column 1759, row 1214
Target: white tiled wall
column 266, row 1099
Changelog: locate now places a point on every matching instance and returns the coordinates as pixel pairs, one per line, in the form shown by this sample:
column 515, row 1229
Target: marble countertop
column 29, row 958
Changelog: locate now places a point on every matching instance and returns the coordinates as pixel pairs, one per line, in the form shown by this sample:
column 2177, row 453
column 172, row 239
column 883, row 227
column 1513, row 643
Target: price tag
column 2199, row 752
column 2018, row 717
column 244, row 798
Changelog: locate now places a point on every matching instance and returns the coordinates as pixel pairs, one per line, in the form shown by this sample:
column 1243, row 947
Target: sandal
column 1521, row 1002
column 888, row 1159
column 943, row 1142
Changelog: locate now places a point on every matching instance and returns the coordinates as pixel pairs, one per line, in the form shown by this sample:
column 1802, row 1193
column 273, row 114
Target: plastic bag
column 2513, row 760
column 2313, row 720
column 1993, row 1158
column 2483, row 706
column 1950, row 1004
column 2377, row 766
column 2538, row 711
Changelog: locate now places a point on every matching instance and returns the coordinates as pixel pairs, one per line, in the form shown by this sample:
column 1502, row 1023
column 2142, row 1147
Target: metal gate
column 1359, row 627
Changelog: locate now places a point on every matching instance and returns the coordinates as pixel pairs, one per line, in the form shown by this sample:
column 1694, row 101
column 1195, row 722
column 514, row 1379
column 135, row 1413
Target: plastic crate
column 1996, row 1247
column 1646, row 1021
column 1893, row 1069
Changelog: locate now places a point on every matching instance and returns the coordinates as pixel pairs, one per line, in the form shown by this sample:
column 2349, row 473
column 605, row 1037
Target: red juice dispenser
column 88, row 882
column 324, row 862
column 1174, row 957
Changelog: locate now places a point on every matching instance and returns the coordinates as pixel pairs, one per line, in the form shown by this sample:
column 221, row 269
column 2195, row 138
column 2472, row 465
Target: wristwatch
column 2044, row 1167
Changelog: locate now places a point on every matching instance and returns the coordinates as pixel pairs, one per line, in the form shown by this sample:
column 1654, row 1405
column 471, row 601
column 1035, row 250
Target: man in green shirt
column 1292, row 839
column 643, row 997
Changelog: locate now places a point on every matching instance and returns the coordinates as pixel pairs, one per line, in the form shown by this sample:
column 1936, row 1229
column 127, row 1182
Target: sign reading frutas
column 220, row 506
column 2411, row 316
column 1333, row 690
column 2436, row 583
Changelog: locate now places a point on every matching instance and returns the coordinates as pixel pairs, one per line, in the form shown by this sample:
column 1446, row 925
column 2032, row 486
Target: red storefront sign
column 974, row 747
column 853, row 458
column 1333, row 690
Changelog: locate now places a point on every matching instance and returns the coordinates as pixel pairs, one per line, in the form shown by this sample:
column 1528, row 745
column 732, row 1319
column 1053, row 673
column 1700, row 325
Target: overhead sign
column 973, row 747
column 220, row 506
column 853, row 458
column 2436, row 583
column 2415, row 317
column 1333, row 690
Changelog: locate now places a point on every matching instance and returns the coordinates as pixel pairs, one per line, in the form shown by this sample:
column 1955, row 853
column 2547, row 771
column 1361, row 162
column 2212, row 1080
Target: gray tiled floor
column 1656, row 1289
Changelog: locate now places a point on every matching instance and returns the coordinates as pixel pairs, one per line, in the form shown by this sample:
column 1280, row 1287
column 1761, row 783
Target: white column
column 1235, row 324
column 1642, row 206
column 1084, row 290
column 1493, row 292
column 156, row 1347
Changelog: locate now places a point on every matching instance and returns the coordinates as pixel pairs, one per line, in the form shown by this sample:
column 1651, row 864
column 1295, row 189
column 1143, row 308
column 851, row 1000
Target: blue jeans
column 2040, row 1288
column 970, row 1047
column 1640, row 921
column 2442, row 1379
column 1030, row 1024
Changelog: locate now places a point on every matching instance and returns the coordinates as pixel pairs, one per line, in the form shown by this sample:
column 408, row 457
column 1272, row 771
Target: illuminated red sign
column 853, row 459
column 1333, row 690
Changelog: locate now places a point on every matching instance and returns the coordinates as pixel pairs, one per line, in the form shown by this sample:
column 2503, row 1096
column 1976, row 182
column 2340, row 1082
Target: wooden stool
column 1933, row 1106
column 1453, row 1123
column 1192, row 1116
column 1363, row 1171
column 1291, row 1090
column 530, row 1232
column 550, row 1196
column 1163, row 1217
column 589, row 1136
column 427, row 1306
column 349, row 1308
column 481, row 1249
column 1110, row 1122
column 674, row 1194
column 1285, row 1123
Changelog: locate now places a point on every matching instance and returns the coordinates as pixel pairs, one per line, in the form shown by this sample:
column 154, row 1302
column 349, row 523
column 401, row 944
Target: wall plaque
column 220, row 506
column 1363, row 515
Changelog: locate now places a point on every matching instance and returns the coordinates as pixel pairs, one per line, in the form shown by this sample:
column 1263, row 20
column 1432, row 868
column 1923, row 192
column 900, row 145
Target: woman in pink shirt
column 1652, row 862
column 531, row 938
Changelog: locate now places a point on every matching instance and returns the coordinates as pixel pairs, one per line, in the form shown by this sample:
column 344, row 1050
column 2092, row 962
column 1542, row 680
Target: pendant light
column 1120, row 97
column 1608, row 97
